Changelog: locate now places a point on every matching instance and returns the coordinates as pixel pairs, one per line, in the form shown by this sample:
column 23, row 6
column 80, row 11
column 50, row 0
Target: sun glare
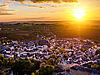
column 79, row 13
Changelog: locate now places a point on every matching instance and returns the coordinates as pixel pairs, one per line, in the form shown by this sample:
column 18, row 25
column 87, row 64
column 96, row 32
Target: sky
column 47, row 10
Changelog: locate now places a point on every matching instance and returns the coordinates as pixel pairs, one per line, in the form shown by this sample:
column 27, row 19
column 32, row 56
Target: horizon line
column 46, row 20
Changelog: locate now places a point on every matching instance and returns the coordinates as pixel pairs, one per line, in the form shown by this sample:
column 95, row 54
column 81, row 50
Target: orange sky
column 20, row 10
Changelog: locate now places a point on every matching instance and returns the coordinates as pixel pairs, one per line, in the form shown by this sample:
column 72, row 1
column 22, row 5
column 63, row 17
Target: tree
column 1, row 63
column 33, row 73
column 36, row 64
column 55, row 47
column 58, row 59
column 83, row 50
column 11, row 62
column 1, row 57
column 89, row 65
column 23, row 66
column 5, row 62
column 97, row 52
column 53, row 56
column 3, row 73
column 95, row 66
column 51, row 61
column 61, row 50
column 46, row 70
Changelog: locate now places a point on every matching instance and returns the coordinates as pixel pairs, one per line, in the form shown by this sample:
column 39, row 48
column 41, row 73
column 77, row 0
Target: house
column 44, row 42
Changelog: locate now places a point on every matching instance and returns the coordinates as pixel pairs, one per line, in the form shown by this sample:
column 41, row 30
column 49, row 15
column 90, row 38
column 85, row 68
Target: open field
column 66, row 29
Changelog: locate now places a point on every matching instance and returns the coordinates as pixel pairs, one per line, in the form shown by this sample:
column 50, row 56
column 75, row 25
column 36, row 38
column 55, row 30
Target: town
column 72, row 53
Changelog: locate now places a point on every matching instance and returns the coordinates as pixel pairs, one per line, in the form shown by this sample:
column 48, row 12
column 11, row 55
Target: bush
column 95, row 66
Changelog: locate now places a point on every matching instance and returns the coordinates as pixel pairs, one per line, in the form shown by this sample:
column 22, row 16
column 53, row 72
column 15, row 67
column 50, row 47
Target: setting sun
column 79, row 13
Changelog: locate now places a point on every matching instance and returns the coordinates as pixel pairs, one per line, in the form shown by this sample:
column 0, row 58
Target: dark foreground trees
column 3, row 62
column 45, row 70
column 24, row 66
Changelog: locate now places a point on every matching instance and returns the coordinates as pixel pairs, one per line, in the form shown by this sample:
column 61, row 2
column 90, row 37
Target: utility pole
column 65, row 71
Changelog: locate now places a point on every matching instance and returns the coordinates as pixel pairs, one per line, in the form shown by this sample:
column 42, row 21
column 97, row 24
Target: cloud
column 38, row 3
column 44, row 3
column 36, row 18
column 5, row 13
column 55, row 1
column 1, row 9
column 36, row 6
